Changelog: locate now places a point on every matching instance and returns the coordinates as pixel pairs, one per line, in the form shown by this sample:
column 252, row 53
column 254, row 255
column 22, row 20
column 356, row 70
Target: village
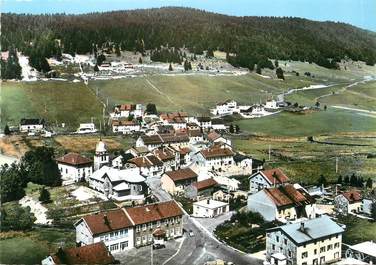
column 183, row 186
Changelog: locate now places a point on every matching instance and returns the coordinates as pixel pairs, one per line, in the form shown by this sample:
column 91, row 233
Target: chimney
column 208, row 201
column 302, row 229
column 105, row 219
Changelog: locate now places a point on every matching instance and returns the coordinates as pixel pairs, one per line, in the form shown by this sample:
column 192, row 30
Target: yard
column 357, row 230
column 33, row 246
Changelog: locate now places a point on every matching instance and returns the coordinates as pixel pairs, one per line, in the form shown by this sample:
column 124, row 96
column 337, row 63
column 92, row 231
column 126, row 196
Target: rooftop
column 96, row 253
column 353, row 196
column 105, row 222
column 312, row 229
column 211, row 204
column 74, row 159
column 288, row 195
column 153, row 212
column 205, row 184
column 275, row 176
column 367, row 247
column 181, row 174
column 216, row 151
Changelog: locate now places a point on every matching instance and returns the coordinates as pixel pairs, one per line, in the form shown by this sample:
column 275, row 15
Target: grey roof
column 313, row 229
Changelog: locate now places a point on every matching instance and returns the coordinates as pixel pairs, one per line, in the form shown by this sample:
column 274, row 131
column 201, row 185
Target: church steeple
column 101, row 157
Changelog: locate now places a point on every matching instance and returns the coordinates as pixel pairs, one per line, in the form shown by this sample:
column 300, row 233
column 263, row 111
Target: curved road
column 202, row 246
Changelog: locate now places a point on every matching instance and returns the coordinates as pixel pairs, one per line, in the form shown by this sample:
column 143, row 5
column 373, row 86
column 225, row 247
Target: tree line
column 248, row 41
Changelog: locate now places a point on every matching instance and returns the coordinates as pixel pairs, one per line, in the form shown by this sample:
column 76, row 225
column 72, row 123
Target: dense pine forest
column 247, row 40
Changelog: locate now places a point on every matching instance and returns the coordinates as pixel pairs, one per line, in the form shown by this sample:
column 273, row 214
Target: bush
column 44, row 195
column 16, row 218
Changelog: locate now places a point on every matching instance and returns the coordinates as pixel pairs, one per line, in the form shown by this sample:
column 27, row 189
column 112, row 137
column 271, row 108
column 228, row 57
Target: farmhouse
column 120, row 185
column 31, row 125
column 157, row 140
column 202, row 189
column 169, row 157
column 214, row 137
column 163, row 220
column 210, row 208
column 177, row 181
column 74, row 167
column 138, row 151
column 225, row 108
column 267, row 179
column 204, row 122
column 315, row 241
column 125, row 126
column 348, row 202
column 215, row 157
column 177, row 119
column 96, row 253
column 195, row 136
column 282, row 203
column 113, row 228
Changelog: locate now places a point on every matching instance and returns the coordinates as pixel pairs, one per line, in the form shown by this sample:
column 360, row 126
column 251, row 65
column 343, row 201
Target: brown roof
column 216, row 152
column 123, row 123
column 146, row 161
column 212, row 136
column 127, row 107
column 195, row 133
column 181, row 174
column 287, row 195
column 184, row 150
column 151, row 139
column 96, row 253
column 205, row 184
column 74, row 159
column 275, row 176
column 174, row 138
column 154, row 212
column 116, row 220
column 353, row 196
column 164, row 153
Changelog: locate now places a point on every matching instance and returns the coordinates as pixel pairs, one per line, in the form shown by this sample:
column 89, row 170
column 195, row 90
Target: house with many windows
column 349, row 202
column 177, row 181
column 160, row 220
column 31, row 125
column 215, row 157
column 113, row 228
column 311, row 242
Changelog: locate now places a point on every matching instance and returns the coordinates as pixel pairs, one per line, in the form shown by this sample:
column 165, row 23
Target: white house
column 176, row 140
column 113, row 228
column 177, row 181
column 283, row 203
column 215, row 137
column 148, row 165
column 348, row 202
column 86, row 128
column 177, row 119
column 271, row 104
column 31, row 125
column 218, row 125
column 74, row 167
column 120, row 185
column 210, row 208
column 204, row 122
column 125, row 126
column 125, row 110
column 311, row 242
column 215, row 157
column 266, row 179
column 367, row 205
column 225, row 108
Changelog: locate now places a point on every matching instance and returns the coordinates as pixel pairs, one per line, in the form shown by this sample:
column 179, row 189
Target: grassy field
column 303, row 161
column 33, row 246
column 322, row 122
column 192, row 93
column 71, row 103
column 357, row 230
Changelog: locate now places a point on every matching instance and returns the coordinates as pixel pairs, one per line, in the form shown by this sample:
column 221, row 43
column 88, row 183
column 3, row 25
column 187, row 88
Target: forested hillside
column 251, row 39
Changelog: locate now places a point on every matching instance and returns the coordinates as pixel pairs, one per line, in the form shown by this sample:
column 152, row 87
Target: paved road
column 202, row 246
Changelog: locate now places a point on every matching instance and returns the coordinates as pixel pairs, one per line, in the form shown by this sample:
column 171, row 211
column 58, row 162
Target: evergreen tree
column 170, row 67
column 12, row 183
column 140, row 60
column 151, row 109
column 353, row 180
column 279, row 73
column 276, row 64
column 339, row 180
column 369, row 183
column 101, row 58
column 44, row 195
column 237, row 129
column 258, row 69
column 210, row 53
column 347, row 180
column 6, row 129
column 322, row 180
column 232, row 129
column 16, row 218
column 96, row 68
column 117, row 50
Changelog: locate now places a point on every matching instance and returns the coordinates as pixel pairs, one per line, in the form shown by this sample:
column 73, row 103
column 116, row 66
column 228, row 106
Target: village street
column 202, row 246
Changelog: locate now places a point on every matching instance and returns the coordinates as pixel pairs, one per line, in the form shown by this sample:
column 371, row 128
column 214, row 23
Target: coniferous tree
column 231, row 128
column 258, row 69
column 170, row 67
column 369, row 183
column 140, row 60
column 279, row 73
column 339, row 180
column 44, row 195
column 6, row 129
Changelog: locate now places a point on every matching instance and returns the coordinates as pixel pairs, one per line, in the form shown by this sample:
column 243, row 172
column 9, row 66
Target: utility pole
column 269, row 151
column 336, row 164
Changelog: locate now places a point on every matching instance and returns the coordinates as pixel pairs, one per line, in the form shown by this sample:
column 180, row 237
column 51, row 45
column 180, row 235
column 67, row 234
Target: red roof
column 212, row 136
column 96, row 253
column 275, row 176
column 74, row 159
column 205, row 184
column 353, row 196
column 154, row 212
column 181, row 174
column 287, row 195
column 216, row 151
column 116, row 220
column 127, row 107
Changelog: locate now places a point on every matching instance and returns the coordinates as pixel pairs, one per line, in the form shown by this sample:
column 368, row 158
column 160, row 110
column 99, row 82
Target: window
column 329, row 247
column 304, row 255
column 158, row 223
column 322, row 260
column 123, row 245
column 290, row 254
column 285, row 241
column 315, row 262
column 138, row 228
column 144, row 227
column 336, row 245
column 150, row 238
column 138, row 240
column 144, row 239
column 277, row 238
column 322, row 249
column 273, row 247
column 315, row 251
column 114, row 247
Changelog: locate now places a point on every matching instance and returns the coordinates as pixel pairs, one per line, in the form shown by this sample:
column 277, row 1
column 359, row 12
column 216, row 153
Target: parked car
column 158, row 246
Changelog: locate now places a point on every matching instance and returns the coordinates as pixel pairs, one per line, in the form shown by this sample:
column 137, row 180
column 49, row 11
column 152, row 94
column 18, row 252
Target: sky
column 360, row 13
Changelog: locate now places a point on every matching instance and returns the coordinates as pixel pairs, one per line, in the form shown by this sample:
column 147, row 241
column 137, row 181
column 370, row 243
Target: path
column 159, row 91
column 39, row 211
